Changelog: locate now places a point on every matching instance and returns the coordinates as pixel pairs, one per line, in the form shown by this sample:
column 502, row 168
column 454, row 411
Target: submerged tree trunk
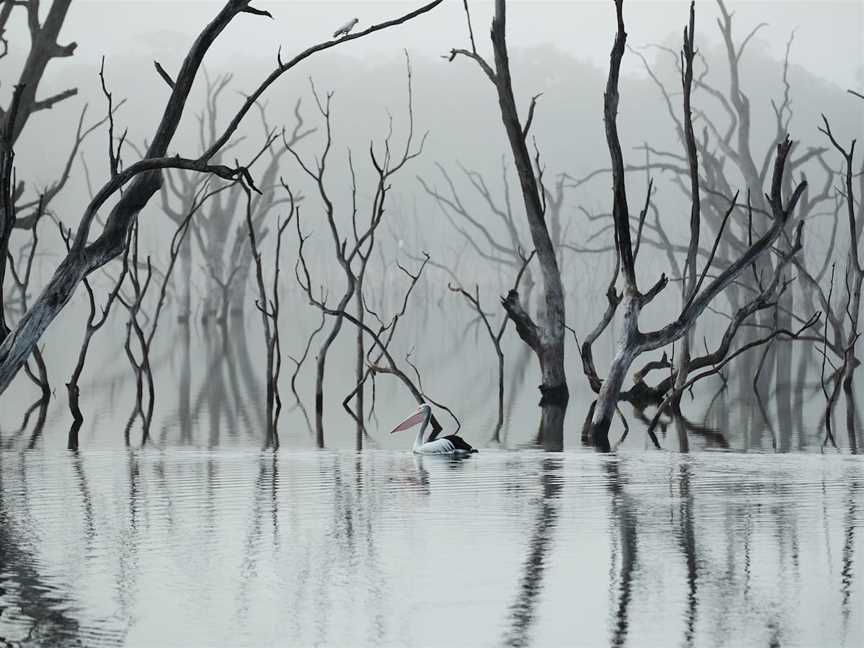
column 238, row 291
column 184, row 307
column 851, row 411
column 215, row 293
column 320, row 366
column 359, row 364
column 783, row 379
column 546, row 338
column 607, row 399
column 499, row 423
column 184, row 392
column 851, row 362
column 683, row 362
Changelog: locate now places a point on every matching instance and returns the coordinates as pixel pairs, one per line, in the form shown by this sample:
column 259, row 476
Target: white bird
column 347, row 27
column 449, row 445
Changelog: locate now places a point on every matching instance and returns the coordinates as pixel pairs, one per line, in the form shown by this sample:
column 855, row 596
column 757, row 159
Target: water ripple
column 198, row 548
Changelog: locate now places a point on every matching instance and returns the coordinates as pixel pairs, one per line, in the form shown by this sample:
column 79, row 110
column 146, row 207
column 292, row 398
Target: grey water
column 382, row 548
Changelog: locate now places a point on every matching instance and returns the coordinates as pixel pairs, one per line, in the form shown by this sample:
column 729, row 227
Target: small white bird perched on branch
column 347, row 27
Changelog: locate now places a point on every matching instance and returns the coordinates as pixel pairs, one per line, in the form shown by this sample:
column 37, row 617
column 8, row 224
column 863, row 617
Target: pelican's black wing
column 459, row 443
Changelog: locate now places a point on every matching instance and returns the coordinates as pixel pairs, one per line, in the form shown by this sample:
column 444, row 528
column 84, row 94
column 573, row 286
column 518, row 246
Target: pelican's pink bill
column 409, row 422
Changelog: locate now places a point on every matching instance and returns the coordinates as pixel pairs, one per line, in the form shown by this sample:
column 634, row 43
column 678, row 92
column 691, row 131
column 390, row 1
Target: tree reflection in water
column 687, row 543
column 847, row 571
column 382, row 548
column 623, row 519
column 523, row 610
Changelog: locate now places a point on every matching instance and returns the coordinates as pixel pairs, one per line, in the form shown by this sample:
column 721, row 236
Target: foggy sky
column 582, row 28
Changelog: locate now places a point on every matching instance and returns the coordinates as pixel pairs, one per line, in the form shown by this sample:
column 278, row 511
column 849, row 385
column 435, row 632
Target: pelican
column 452, row 444
column 347, row 27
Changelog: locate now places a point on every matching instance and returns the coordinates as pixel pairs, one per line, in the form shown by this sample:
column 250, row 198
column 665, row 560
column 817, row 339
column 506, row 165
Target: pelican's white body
column 438, row 446
column 443, row 446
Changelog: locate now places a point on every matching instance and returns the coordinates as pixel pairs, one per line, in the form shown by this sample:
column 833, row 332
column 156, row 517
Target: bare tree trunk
column 320, row 365
column 210, row 310
column 360, row 364
column 758, row 423
column 852, row 361
column 783, row 379
column 682, row 369
column 546, row 338
column 799, row 400
column 500, row 422
column 689, row 286
column 184, row 311
column 849, row 393
column 550, row 347
column 238, row 291
column 607, row 399
column 555, row 419
column 184, row 406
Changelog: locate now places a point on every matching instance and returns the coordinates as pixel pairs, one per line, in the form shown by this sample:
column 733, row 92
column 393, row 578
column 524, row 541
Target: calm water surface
column 224, row 548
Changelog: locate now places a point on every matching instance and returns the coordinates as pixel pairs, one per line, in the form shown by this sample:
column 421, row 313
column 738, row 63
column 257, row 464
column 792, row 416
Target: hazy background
column 558, row 48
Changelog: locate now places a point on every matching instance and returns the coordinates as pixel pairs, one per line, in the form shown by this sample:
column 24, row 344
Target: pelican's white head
column 415, row 418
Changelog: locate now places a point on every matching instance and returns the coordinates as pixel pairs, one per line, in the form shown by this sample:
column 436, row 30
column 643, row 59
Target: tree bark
column 320, row 365
column 607, row 399
column 547, row 339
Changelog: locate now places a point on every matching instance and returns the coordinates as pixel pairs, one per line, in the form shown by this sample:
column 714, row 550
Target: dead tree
column 475, row 229
column 380, row 359
column 92, row 326
column 298, row 366
column 141, row 327
column 353, row 258
column 698, row 293
column 268, row 305
column 727, row 146
column 19, row 210
column 186, row 184
column 372, row 361
column 845, row 318
column 545, row 337
column 21, row 273
column 222, row 244
column 213, row 228
column 266, row 202
column 143, row 178
column 140, row 363
column 504, row 250
column 495, row 337
column 24, row 103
